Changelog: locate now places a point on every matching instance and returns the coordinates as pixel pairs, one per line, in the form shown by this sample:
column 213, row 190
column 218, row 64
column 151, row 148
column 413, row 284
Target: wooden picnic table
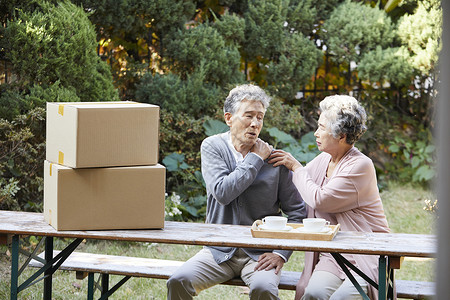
column 390, row 247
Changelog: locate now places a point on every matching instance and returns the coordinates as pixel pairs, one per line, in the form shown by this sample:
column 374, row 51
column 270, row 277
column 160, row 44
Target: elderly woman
column 340, row 186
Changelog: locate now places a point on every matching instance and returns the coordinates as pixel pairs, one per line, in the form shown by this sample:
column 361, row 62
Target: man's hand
column 262, row 148
column 268, row 261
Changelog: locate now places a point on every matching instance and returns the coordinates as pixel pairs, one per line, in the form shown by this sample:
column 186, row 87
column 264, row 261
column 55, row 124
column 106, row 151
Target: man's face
column 246, row 124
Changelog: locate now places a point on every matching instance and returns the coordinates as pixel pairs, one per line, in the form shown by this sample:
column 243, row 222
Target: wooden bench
column 87, row 263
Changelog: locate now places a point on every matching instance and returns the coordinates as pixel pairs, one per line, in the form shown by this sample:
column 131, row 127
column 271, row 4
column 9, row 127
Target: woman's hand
column 280, row 157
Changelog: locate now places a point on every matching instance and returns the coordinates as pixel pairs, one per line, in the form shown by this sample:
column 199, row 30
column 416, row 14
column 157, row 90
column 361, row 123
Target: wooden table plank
column 392, row 244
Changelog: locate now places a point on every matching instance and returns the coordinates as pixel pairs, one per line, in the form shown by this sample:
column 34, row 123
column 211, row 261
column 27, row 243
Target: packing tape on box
column 60, row 157
column 61, row 106
column 61, row 109
column 51, row 166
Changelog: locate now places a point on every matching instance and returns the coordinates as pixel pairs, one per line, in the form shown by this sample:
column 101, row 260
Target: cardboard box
column 102, row 134
column 104, row 198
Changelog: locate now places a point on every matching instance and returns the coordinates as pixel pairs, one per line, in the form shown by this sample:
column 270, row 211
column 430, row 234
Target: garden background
column 186, row 55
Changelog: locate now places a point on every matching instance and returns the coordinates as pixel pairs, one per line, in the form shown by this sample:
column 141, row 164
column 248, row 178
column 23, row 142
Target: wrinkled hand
column 262, row 148
column 280, row 157
column 268, row 261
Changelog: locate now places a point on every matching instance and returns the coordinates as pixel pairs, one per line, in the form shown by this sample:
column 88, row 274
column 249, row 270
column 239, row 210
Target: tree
column 202, row 48
column 131, row 33
column 50, row 50
column 386, row 65
column 420, row 33
column 354, row 29
column 22, row 151
column 185, row 55
column 56, row 44
column 191, row 96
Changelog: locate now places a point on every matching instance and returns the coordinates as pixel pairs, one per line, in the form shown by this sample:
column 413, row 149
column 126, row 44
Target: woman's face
column 325, row 141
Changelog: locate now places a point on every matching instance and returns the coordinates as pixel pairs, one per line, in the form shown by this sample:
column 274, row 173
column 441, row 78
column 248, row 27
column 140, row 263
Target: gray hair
column 245, row 92
column 345, row 116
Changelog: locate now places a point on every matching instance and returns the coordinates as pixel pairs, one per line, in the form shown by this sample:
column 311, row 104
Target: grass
column 403, row 205
column 404, row 210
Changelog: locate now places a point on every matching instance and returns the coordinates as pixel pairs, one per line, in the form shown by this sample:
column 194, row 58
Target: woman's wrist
column 296, row 166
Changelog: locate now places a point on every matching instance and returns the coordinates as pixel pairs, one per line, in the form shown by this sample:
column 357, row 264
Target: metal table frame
column 51, row 264
column 389, row 247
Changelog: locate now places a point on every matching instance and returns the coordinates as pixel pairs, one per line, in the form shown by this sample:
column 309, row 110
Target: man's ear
column 227, row 117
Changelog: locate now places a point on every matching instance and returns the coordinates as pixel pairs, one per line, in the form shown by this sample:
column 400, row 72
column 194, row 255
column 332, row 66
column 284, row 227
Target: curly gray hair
column 245, row 92
column 345, row 116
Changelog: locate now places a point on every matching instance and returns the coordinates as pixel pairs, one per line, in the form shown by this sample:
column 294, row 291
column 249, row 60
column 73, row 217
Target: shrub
column 354, row 29
column 22, row 152
column 203, row 50
column 381, row 65
column 172, row 207
column 191, row 96
column 285, row 117
column 58, row 43
column 186, row 182
column 180, row 138
column 181, row 133
column 421, row 34
column 12, row 103
column 413, row 157
column 303, row 150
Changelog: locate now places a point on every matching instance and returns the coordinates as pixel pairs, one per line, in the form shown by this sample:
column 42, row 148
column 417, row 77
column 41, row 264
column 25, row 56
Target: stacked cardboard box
column 101, row 169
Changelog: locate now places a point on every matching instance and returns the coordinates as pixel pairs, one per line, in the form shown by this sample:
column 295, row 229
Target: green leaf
column 394, row 148
column 308, row 139
column 415, row 162
column 175, row 162
column 304, row 157
column 199, row 177
column 301, row 155
column 420, row 145
column 192, row 210
column 430, row 149
column 213, row 127
column 198, row 200
column 424, row 173
column 406, row 154
column 281, row 136
column 13, row 168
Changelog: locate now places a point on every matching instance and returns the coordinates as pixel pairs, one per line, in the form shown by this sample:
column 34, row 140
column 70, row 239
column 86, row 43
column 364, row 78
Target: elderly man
column 241, row 188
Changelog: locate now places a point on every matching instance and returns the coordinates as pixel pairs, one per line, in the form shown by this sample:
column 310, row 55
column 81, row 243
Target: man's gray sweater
column 241, row 194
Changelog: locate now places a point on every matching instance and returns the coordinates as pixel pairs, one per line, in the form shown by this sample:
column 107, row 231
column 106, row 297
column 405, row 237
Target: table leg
column 114, row 288
column 14, row 267
column 393, row 263
column 51, row 265
column 390, row 292
column 105, row 284
column 48, row 273
column 382, row 278
column 90, row 294
column 344, row 263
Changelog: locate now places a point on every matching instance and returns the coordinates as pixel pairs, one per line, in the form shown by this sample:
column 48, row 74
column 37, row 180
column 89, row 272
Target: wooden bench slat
column 141, row 267
column 163, row 269
column 415, row 289
column 117, row 265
